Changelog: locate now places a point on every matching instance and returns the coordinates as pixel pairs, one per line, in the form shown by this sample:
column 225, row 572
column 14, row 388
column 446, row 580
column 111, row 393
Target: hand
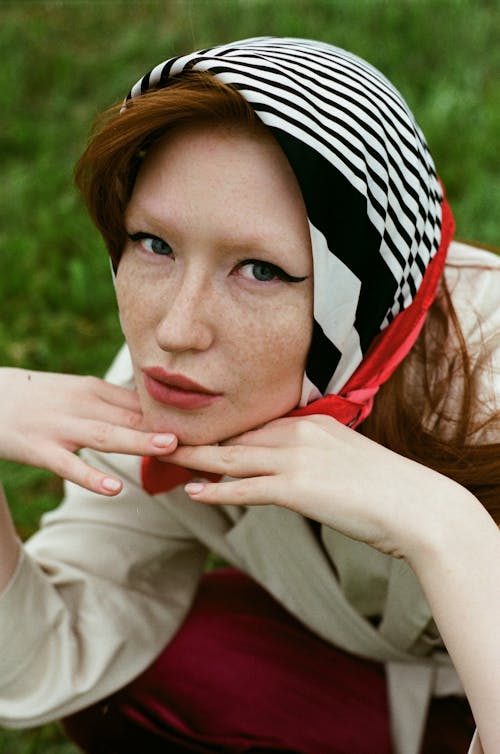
column 45, row 418
column 330, row 473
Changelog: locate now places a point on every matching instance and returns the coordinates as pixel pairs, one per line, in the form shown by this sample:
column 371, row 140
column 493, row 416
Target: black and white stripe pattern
column 368, row 181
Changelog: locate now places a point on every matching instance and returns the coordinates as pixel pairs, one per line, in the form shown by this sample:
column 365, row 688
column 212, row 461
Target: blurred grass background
column 62, row 62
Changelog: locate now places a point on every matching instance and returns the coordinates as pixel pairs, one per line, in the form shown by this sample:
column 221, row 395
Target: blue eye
column 265, row 272
column 153, row 244
column 258, row 271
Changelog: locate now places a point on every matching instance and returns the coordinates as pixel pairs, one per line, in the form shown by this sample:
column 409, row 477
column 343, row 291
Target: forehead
column 228, row 179
column 222, row 154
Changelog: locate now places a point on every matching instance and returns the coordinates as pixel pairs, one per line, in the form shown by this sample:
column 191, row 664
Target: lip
column 177, row 390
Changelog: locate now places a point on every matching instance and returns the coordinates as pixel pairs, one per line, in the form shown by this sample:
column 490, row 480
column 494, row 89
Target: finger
column 286, row 431
column 121, row 417
column 252, row 491
column 110, row 438
column 116, row 395
column 230, row 460
column 269, row 435
column 92, row 398
column 96, row 409
column 74, row 469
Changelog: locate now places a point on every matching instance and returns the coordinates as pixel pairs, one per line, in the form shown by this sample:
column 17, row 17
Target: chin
column 195, row 429
column 205, row 427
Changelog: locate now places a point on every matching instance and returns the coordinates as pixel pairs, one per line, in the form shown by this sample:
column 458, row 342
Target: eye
column 265, row 272
column 152, row 244
column 258, row 271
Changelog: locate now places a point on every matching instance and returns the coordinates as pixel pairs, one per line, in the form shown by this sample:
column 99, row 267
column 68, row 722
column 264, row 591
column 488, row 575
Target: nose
column 188, row 322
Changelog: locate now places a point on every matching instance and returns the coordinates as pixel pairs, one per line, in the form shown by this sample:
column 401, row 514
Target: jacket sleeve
column 98, row 592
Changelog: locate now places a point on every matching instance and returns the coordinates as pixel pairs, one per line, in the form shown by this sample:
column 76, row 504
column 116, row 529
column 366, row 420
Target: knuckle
column 70, row 467
column 100, row 436
column 90, row 383
column 132, row 420
column 230, row 455
column 90, row 479
column 304, row 429
column 240, row 492
column 61, row 464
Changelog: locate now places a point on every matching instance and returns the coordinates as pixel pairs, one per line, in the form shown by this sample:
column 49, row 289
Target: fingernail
column 163, row 441
column 193, row 488
column 111, row 485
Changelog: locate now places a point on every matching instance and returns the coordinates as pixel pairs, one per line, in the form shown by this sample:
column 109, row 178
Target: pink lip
column 176, row 390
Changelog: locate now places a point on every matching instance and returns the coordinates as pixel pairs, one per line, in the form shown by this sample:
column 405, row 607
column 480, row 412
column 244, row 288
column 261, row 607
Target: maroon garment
column 243, row 675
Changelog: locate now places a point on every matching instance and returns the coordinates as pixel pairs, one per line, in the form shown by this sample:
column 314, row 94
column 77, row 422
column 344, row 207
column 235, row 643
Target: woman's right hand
column 45, row 418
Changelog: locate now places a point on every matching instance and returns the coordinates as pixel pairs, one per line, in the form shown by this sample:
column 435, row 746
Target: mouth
column 176, row 390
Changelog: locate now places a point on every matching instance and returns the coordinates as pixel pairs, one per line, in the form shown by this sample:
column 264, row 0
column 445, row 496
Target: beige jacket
column 105, row 583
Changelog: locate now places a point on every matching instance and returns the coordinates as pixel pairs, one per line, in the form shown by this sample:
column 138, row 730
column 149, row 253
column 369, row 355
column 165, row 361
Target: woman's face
column 215, row 285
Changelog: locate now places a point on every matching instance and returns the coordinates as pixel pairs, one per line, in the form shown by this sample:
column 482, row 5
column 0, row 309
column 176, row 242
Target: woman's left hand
column 327, row 472
column 330, row 473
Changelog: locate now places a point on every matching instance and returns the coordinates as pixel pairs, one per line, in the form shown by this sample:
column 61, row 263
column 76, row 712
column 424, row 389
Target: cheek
column 274, row 356
column 130, row 298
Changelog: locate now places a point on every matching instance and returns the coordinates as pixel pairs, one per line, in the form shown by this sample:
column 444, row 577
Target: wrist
column 457, row 565
column 452, row 524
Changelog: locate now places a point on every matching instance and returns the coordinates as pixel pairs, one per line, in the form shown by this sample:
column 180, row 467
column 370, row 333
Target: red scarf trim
column 355, row 400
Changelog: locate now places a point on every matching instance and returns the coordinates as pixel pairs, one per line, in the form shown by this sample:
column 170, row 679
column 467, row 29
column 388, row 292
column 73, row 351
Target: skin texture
column 220, row 199
column 207, row 323
column 323, row 470
column 215, row 199
column 46, row 417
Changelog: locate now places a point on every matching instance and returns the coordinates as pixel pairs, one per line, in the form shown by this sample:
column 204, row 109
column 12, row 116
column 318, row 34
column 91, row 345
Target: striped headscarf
column 379, row 223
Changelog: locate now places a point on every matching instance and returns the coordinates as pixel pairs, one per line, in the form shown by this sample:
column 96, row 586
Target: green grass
column 64, row 61
column 48, row 739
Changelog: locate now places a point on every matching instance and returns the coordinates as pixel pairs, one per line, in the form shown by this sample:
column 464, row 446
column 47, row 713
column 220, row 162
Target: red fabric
column 389, row 349
column 243, row 675
column 355, row 400
column 157, row 476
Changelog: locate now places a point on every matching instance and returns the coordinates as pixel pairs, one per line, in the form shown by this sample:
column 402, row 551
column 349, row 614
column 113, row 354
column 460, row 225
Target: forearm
column 458, row 567
column 345, row 481
column 9, row 544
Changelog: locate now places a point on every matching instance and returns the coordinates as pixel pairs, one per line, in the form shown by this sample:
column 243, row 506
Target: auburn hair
column 443, row 362
column 106, row 174
column 123, row 135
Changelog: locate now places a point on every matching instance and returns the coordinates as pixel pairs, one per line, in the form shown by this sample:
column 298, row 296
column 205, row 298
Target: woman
column 278, row 236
